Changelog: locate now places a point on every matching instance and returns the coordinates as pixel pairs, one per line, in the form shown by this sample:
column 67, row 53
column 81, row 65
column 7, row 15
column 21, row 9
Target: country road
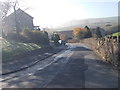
column 75, row 67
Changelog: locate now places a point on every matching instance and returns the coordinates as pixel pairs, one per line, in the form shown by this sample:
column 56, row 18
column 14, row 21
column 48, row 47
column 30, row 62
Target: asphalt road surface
column 76, row 67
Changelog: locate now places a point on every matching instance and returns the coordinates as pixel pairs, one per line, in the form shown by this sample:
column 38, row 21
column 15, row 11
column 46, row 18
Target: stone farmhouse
column 22, row 21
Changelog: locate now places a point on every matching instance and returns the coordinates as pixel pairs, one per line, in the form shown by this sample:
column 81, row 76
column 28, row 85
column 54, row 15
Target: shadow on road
column 72, row 75
column 79, row 72
column 81, row 49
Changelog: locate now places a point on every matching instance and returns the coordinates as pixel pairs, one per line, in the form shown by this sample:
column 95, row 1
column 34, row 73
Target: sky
column 53, row 13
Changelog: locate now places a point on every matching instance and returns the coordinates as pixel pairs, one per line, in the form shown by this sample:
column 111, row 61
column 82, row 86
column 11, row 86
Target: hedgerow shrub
column 35, row 36
column 30, row 36
column 55, row 37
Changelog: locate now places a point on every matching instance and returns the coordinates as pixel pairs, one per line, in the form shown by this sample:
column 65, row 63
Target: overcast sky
column 53, row 13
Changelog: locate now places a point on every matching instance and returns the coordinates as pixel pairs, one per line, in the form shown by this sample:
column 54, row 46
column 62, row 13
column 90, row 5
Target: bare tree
column 11, row 5
column 5, row 8
column 16, row 24
column 0, row 21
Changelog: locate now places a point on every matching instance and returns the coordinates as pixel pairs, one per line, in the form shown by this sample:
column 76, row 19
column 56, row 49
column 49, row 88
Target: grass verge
column 11, row 49
column 116, row 34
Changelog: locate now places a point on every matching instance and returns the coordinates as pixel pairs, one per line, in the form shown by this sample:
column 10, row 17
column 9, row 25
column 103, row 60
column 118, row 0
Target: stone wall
column 107, row 48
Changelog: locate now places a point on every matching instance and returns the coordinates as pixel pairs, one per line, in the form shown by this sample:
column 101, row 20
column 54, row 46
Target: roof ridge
column 17, row 11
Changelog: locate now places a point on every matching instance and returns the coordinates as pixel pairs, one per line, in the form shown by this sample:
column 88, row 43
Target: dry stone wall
column 107, row 48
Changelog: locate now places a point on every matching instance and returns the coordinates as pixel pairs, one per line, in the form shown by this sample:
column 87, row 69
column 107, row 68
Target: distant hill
column 112, row 29
column 106, row 23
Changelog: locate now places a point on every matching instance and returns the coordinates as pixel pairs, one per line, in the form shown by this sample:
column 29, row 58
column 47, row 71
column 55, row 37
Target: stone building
column 103, row 32
column 22, row 21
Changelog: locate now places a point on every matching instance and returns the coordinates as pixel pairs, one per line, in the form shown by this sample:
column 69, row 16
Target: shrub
column 55, row 37
column 11, row 36
column 64, row 37
column 80, row 33
column 39, row 36
column 97, row 32
column 36, row 36
column 89, row 34
column 30, row 36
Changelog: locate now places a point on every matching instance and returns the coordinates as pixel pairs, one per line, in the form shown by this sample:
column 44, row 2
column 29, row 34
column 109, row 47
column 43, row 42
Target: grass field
column 116, row 34
column 11, row 48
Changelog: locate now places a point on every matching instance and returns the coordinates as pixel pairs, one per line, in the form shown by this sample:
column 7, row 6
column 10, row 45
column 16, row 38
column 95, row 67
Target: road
column 75, row 67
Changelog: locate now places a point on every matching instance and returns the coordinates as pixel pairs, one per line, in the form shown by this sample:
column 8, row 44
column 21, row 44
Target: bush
column 39, row 36
column 36, row 36
column 97, row 32
column 89, row 34
column 12, row 36
column 80, row 33
column 64, row 37
column 55, row 37
column 30, row 36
